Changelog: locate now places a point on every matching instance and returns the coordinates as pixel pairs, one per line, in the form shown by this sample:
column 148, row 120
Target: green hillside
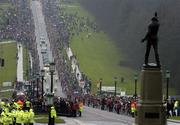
column 8, row 52
column 98, row 55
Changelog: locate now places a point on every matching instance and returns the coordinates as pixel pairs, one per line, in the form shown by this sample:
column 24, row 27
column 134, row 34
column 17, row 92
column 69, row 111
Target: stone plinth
column 150, row 108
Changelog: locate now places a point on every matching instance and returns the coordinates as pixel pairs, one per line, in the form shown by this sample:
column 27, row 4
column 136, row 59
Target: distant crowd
column 121, row 105
column 18, row 25
column 61, row 27
column 173, row 108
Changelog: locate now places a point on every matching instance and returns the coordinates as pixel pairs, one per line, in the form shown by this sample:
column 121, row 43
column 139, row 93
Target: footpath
column 20, row 63
column 75, row 66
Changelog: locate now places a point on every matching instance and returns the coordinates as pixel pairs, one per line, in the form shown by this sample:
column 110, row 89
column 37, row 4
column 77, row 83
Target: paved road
column 97, row 117
column 40, row 31
column 20, row 63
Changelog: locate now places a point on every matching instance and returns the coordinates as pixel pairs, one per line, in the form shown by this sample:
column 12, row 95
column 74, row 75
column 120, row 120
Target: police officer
column 27, row 105
column 133, row 108
column 25, row 117
column 80, row 108
column 13, row 113
column 10, row 118
column 31, row 117
column 19, row 117
column 3, row 118
column 52, row 116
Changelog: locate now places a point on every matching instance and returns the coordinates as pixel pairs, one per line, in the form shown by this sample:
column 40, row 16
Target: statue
column 152, row 40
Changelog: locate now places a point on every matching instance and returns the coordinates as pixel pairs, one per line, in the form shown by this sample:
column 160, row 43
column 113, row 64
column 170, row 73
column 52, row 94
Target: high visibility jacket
column 176, row 104
column 9, row 118
column 6, row 110
column 53, row 113
column 0, row 119
column 4, row 118
column 2, row 104
column 81, row 107
column 13, row 113
column 133, row 107
column 19, row 117
column 15, row 105
column 8, row 105
column 31, row 116
column 26, row 117
column 28, row 104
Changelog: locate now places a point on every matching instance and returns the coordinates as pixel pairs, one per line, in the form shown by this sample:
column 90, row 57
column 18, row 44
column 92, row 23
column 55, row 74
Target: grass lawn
column 25, row 62
column 76, row 7
column 8, row 72
column 44, row 119
column 99, row 56
column 6, row 94
column 175, row 118
column 4, row 7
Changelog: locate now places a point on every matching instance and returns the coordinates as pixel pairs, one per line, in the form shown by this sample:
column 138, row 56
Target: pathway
column 40, row 31
column 19, row 62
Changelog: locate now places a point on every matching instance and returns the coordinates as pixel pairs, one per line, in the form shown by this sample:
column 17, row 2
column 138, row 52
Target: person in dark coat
column 152, row 39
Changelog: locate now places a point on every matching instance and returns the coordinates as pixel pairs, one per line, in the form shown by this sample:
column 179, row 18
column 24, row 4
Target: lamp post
column 115, row 85
column 33, row 88
column 42, row 88
column 135, row 87
column 167, row 82
column 100, row 86
column 42, row 81
column 37, row 80
column 52, row 69
column 50, row 95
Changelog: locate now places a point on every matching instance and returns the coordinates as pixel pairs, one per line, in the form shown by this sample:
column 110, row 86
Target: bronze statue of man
column 152, row 39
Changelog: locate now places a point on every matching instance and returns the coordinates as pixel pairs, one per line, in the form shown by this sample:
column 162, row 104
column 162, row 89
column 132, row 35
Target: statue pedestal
column 150, row 108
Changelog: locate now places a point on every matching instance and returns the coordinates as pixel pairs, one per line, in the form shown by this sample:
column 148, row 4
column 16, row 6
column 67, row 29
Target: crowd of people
column 173, row 108
column 18, row 25
column 20, row 111
column 59, row 38
column 16, row 113
column 126, row 105
column 121, row 105
column 62, row 26
column 68, row 107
